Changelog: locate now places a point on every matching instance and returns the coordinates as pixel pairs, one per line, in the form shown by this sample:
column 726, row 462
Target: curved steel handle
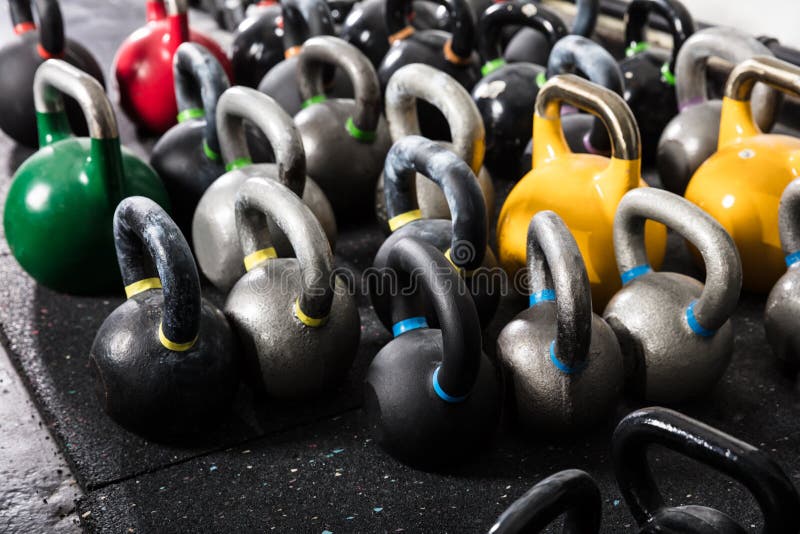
column 720, row 255
column 789, row 222
column 679, row 20
column 586, row 12
column 778, row 74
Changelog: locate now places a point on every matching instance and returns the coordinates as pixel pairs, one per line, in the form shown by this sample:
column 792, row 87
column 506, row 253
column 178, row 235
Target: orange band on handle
column 23, row 27
column 44, row 54
column 451, row 56
column 402, row 34
column 292, row 51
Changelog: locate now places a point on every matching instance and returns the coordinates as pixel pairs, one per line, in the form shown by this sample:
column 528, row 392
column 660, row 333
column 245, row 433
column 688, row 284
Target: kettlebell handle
column 571, row 492
column 419, row 81
column 199, row 83
column 458, row 48
column 178, row 17
column 154, row 10
column 721, row 257
column 679, row 21
column 445, row 291
column 766, row 481
column 303, row 19
column 789, row 222
column 146, row 237
column 259, row 198
column 556, row 271
column 240, row 103
column 499, row 16
column 51, row 24
column 414, row 154
column 586, row 12
column 317, row 52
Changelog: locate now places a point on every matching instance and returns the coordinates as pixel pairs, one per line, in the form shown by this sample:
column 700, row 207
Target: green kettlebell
column 59, row 210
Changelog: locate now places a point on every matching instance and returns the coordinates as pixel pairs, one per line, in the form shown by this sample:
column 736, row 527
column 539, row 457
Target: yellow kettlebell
column 741, row 184
column 584, row 189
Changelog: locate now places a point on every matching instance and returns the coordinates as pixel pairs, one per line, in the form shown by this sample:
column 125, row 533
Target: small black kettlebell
column 165, row 361
column 572, row 493
column 257, row 44
column 432, row 395
column 769, row 485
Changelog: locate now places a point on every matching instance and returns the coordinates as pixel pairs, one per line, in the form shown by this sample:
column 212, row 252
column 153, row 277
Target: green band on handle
column 238, row 163
column 357, row 133
column 52, row 127
column 314, row 100
column 191, row 113
column 667, row 75
column 541, row 79
column 492, row 65
column 209, row 152
column 635, row 48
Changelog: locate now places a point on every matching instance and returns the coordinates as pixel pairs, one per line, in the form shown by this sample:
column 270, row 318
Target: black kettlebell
column 20, row 58
column 649, row 79
column 257, row 44
column 303, row 19
column 507, row 92
column 432, row 395
column 769, row 485
column 165, row 361
column 572, row 493
column 463, row 239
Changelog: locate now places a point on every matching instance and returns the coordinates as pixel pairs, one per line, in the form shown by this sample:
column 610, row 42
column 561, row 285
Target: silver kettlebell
column 298, row 324
column 216, row 243
column 782, row 313
column 692, row 135
column 563, row 360
column 423, row 82
column 674, row 331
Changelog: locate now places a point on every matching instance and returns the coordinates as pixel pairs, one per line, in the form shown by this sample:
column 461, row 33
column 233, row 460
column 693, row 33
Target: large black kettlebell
column 432, row 395
column 572, row 493
column 507, row 92
column 19, row 60
column 769, row 485
column 463, row 240
column 165, row 361
column 649, row 80
column 257, row 44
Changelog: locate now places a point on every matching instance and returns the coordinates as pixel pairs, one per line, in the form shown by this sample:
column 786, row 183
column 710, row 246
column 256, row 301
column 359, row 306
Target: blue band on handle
column 545, row 295
column 407, row 325
column 636, row 272
column 696, row 327
column 561, row 366
column 439, row 391
column 792, row 258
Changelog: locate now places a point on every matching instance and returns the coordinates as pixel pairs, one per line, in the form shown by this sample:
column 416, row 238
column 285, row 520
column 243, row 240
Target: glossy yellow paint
column 583, row 189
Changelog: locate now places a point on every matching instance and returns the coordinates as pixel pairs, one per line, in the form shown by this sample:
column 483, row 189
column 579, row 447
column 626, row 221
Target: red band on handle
column 24, row 27
column 44, row 54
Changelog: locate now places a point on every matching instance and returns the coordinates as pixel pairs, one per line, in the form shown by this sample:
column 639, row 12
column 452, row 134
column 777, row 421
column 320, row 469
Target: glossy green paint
column 59, row 210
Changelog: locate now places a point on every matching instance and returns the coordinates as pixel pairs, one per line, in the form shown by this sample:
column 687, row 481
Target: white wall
column 776, row 18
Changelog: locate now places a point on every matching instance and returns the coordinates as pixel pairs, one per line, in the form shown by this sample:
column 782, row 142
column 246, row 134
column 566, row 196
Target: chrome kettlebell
column 572, row 493
column 782, row 313
column 298, row 323
column 463, row 240
column 346, row 140
column 769, row 485
column 691, row 136
column 562, row 360
column 424, row 83
column 431, row 394
column 165, row 361
column 674, row 331
column 216, row 243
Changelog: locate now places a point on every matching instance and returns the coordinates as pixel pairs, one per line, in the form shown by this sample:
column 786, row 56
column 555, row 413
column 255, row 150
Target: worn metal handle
column 679, row 20
column 586, row 12
column 789, row 222
column 769, row 70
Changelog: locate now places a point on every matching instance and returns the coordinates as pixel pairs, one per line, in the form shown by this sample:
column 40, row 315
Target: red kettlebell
column 143, row 66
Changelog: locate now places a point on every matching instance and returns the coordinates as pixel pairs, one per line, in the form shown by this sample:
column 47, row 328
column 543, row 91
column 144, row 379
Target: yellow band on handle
column 142, row 285
column 251, row 260
column 403, row 219
column 305, row 319
column 460, row 270
column 171, row 345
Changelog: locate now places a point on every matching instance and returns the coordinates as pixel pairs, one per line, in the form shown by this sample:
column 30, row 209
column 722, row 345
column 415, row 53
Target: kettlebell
column 691, row 137
column 346, row 140
column 257, row 44
column 783, row 304
column 420, row 82
column 463, row 240
column 674, row 331
column 572, row 493
column 769, row 485
column 741, row 184
column 22, row 55
column 298, row 323
column 506, row 93
column 563, row 361
column 143, row 66
column 431, row 394
column 61, row 202
column 216, row 242
column 584, row 189
column 165, row 361
column 303, row 19
column 649, row 80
